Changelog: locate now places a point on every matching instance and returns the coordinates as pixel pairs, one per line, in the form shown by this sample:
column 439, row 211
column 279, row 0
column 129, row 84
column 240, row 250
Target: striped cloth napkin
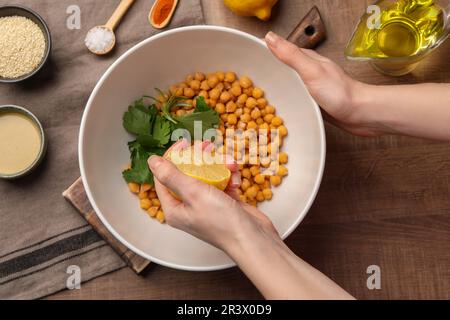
column 44, row 242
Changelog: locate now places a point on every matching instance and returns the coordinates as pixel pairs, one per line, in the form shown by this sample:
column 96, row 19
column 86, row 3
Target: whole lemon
column 249, row 8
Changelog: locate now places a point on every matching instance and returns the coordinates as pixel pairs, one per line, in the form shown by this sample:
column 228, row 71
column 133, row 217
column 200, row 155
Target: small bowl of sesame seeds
column 25, row 43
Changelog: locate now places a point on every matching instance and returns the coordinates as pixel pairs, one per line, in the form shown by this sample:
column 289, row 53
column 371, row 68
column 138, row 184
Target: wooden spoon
column 166, row 21
column 109, row 27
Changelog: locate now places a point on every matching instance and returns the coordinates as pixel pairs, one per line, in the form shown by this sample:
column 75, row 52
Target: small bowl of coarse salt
column 25, row 43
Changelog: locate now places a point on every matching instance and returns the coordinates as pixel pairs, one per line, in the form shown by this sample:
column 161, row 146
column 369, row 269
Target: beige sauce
column 20, row 142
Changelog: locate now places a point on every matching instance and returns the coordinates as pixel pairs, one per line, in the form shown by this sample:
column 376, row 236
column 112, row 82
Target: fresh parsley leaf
column 207, row 117
column 162, row 130
column 139, row 172
column 201, row 105
column 148, row 141
column 139, row 118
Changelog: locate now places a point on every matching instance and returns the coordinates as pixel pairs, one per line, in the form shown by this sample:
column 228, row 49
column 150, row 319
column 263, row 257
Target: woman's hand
column 242, row 231
column 421, row 110
column 329, row 85
column 207, row 213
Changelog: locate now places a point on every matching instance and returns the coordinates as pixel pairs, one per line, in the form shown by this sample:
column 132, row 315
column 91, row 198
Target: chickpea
column 282, row 171
column 245, row 82
column 283, row 131
column 145, row 187
column 220, row 86
column 204, row 94
column 179, row 91
column 213, row 81
column 242, row 99
column 231, row 107
column 134, row 187
column 212, row 103
column 246, row 173
column 270, row 109
column 262, row 103
column 156, row 203
column 266, row 184
column 283, row 157
column 252, row 125
column 247, row 110
column 230, row 77
column 259, row 179
column 254, row 170
column 232, row 119
column 225, row 97
column 236, row 91
column 268, row 118
column 243, row 198
column 255, row 113
column 239, row 111
column 248, row 91
column 224, row 117
column 181, row 113
column 204, row 85
column 189, row 78
column 160, row 216
column 199, row 76
column 245, row 184
column 195, row 85
column 245, row 117
column 275, row 180
column 173, row 89
column 152, row 211
column 267, row 194
column 257, row 93
column 250, row 103
column 220, row 108
column 152, row 195
column 145, row 204
column 183, row 85
column 259, row 121
column 214, row 94
column 220, row 75
column 260, row 196
column 252, row 192
column 277, row 121
column 143, row 195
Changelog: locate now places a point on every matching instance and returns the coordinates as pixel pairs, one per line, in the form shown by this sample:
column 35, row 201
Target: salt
column 99, row 39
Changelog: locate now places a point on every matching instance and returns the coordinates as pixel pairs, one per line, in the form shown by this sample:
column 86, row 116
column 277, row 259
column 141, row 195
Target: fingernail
column 236, row 181
column 154, row 162
column 272, row 39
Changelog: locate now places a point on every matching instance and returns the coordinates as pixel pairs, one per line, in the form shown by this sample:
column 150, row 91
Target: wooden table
column 383, row 201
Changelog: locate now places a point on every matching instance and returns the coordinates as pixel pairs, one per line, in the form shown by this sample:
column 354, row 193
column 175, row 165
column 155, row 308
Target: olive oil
column 406, row 28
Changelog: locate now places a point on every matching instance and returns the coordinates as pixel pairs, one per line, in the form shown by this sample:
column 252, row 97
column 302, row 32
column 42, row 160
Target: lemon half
column 216, row 175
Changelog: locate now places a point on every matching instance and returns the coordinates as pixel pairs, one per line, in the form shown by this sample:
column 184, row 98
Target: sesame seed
column 22, row 46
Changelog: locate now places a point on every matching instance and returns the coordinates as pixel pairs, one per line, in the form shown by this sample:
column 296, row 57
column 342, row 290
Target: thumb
column 293, row 56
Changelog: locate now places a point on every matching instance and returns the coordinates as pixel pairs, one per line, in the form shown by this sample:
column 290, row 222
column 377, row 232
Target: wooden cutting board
column 76, row 195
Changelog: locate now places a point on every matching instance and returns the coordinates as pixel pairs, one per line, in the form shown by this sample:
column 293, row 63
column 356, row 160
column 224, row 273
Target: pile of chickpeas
column 241, row 105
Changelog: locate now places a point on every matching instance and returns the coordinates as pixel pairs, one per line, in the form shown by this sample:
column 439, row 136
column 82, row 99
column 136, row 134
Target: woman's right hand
column 216, row 217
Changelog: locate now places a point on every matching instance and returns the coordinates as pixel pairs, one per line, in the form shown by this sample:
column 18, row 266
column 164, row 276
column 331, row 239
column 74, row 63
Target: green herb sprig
column 153, row 130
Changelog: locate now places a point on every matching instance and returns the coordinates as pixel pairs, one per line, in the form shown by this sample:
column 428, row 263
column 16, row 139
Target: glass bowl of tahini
column 25, row 43
column 22, row 142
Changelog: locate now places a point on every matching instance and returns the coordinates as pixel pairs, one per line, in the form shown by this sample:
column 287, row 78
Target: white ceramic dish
column 159, row 62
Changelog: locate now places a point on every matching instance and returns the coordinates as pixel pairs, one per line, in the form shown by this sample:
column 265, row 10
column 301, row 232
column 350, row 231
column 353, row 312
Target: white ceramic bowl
column 159, row 62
